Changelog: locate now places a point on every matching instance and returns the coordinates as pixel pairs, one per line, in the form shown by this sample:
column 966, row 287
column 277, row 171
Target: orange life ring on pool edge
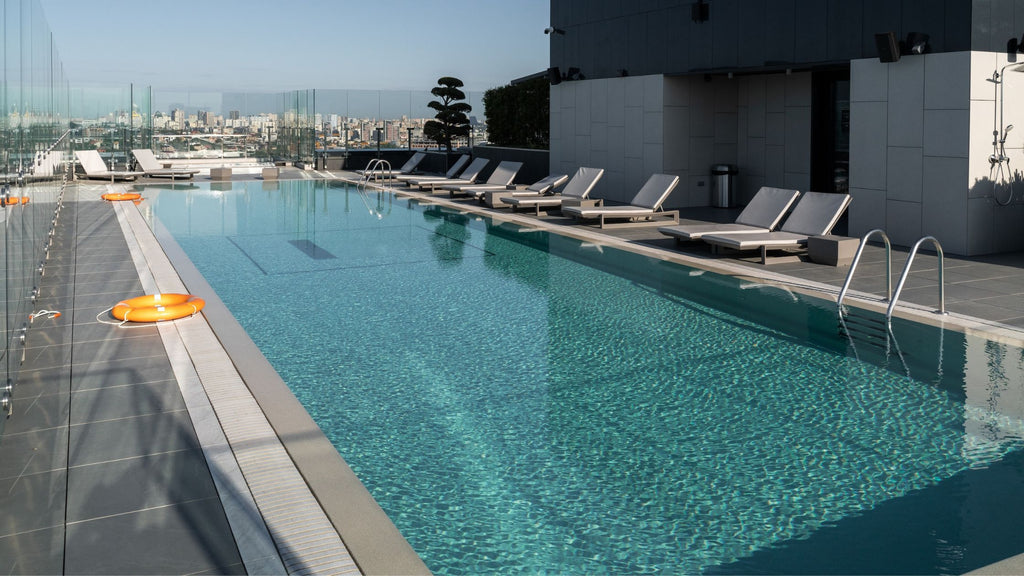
column 157, row 307
column 121, row 196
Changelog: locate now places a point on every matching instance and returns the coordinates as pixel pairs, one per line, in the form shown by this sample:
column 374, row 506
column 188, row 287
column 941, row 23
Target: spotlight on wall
column 699, row 12
column 554, row 75
column 917, row 43
column 553, row 30
column 888, row 47
column 1013, row 46
column 573, row 73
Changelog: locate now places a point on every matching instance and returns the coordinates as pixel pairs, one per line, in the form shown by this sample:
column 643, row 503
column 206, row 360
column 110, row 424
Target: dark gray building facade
column 802, row 94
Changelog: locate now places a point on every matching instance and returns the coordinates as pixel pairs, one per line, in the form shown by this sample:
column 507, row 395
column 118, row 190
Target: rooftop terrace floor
column 113, row 466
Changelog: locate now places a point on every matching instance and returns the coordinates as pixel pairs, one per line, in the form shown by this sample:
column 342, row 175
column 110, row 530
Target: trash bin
column 723, row 185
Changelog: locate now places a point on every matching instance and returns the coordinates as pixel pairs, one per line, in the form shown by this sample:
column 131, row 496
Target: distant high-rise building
column 233, row 115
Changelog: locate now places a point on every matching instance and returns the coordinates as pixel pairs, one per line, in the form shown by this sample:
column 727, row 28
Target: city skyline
column 325, row 44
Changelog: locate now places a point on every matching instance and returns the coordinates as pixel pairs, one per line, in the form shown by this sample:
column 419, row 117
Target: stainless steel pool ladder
column 892, row 297
column 387, row 176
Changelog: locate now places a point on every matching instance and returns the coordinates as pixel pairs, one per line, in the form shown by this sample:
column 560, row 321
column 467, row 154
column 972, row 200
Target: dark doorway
column 830, row 132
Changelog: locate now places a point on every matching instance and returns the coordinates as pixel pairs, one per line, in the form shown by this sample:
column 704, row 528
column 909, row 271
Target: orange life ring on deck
column 121, row 196
column 157, row 307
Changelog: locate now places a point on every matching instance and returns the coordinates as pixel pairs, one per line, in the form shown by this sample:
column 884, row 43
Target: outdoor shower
column 999, row 172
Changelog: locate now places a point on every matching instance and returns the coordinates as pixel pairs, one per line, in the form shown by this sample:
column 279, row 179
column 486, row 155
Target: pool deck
column 146, row 450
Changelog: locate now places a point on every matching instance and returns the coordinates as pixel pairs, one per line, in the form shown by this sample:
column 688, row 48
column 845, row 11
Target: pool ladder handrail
column 856, row 260
column 385, row 169
column 893, row 297
column 906, row 272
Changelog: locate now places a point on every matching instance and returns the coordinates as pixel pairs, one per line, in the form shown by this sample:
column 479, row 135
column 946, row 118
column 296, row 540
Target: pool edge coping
column 991, row 330
column 372, row 539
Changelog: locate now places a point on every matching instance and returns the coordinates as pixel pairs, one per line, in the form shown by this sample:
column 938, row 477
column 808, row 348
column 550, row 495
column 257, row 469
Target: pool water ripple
column 518, row 411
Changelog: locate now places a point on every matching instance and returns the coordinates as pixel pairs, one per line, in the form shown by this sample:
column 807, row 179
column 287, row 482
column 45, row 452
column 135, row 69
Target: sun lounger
column 815, row 214
column 490, row 194
column 152, row 167
column 468, row 176
column 503, row 175
column 643, row 210
column 95, row 168
column 451, row 173
column 762, row 214
column 407, row 168
column 577, row 189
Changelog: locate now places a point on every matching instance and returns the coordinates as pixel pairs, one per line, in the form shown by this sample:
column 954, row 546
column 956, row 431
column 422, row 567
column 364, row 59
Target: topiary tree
column 451, row 113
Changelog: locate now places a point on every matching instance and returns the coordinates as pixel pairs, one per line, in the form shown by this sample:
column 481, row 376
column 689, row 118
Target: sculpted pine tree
column 451, row 119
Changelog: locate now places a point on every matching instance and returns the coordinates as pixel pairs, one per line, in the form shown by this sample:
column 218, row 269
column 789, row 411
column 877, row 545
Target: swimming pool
column 519, row 401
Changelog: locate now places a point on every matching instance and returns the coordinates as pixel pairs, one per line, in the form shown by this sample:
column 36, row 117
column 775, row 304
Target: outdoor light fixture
column 699, row 12
column 888, row 47
column 917, row 43
column 554, row 75
column 553, row 30
column 573, row 73
column 1013, row 46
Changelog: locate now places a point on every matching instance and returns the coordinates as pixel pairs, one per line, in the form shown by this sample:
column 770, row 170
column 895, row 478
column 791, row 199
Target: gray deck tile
column 127, row 343
column 36, row 552
column 49, row 380
column 136, row 484
column 130, row 437
column 32, row 501
column 38, row 410
column 99, row 373
column 112, row 402
column 34, row 452
column 179, row 539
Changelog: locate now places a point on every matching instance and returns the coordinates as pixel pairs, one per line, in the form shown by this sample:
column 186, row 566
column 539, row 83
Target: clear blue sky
column 264, row 45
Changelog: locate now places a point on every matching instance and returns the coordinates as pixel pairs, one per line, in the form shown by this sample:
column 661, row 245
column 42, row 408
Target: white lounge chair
column 451, row 173
column 762, row 214
column 490, row 194
column 815, row 214
column 407, row 168
column 95, row 168
column 577, row 189
column 643, row 210
column 503, row 175
column 152, row 167
column 468, row 176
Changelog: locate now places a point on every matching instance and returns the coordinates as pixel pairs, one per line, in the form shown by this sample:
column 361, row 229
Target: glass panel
column 34, row 151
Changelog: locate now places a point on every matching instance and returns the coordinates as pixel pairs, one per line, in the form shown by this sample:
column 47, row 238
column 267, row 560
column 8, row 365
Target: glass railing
column 294, row 126
column 34, row 150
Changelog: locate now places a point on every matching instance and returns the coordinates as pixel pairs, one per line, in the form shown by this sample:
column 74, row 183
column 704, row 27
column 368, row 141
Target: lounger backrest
column 655, row 191
column 91, row 161
column 147, row 160
column 474, row 169
column 548, row 183
column 412, row 162
column 583, row 182
column 457, row 166
column 767, row 207
column 505, row 173
column 816, row 213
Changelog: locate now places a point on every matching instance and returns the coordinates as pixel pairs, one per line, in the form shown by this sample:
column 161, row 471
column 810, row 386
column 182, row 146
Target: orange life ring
column 121, row 196
column 157, row 307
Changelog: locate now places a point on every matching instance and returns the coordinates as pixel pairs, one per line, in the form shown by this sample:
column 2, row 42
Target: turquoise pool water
column 519, row 402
